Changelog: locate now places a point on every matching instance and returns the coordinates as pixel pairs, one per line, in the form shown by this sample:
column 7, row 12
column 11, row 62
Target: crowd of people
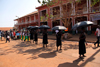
column 27, row 35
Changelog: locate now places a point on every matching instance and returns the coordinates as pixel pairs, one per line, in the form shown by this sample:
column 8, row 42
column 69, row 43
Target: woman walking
column 36, row 36
column 45, row 37
column 82, row 48
column 58, row 40
column 7, row 37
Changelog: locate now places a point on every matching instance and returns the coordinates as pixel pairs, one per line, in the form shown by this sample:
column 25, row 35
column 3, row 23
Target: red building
column 27, row 20
column 82, row 12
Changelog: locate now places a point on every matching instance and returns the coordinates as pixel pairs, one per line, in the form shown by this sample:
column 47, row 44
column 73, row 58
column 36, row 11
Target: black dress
column 35, row 37
column 45, row 38
column 31, row 34
column 82, row 48
column 58, row 40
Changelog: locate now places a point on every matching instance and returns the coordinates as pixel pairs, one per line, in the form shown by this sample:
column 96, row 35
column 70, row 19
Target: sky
column 9, row 9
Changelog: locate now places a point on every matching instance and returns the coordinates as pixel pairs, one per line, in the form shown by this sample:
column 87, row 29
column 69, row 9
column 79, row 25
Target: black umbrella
column 44, row 27
column 82, row 24
column 59, row 28
column 34, row 27
column 29, row 27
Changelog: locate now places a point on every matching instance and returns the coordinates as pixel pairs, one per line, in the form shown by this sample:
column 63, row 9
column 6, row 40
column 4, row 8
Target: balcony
column 32, row 21
column 81, row 11
column 27, row 22
column 95, row 9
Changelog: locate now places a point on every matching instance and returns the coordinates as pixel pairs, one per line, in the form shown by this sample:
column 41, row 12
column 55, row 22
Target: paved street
column 25, row 54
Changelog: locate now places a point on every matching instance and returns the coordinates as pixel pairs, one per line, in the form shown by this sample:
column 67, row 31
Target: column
column 87, row 6
column 34, row 18
column 38, row 18
column 60, row 10
column 73, row 9
column 29, row 19
column 51, row 13
column 60, row 15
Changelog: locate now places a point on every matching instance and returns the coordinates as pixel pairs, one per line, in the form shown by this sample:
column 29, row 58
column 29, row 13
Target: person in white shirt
column 98, row 35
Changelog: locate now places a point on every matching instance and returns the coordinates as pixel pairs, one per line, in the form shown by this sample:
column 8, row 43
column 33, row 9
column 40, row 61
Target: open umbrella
column 34, row 27
column 29, row 27
column 44, row 27
column 82, row 24
column 59, row 28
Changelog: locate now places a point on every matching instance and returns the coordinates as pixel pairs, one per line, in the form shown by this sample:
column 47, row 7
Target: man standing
column 98, row 35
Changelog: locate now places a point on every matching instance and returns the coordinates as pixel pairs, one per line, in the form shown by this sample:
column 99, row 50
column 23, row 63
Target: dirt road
column 25, row 54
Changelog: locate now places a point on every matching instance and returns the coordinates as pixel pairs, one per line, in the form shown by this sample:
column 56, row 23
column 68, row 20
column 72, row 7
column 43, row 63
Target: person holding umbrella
column 45, row 37
column 82, row 48
column 82, row 37
column 36, row 36
column 58, row 40
column 58, row 35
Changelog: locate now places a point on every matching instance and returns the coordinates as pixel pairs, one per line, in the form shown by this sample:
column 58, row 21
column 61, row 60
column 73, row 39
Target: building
column 82, row 12
column 30, row 19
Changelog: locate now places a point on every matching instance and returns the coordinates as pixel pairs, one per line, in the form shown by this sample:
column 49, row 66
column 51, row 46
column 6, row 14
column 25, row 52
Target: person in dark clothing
column 82, row 48
column 32, row 35
column 58, row 40
column 45, row 37
column 36, row 36
column 7, row 37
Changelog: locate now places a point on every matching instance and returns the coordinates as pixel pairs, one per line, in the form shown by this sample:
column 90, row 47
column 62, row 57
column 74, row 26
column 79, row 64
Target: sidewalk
column 89, row 38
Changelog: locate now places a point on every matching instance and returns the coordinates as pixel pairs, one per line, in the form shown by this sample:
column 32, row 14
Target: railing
column 21, row 23
column 95, row 9
column 81, row 11
column 34, row 21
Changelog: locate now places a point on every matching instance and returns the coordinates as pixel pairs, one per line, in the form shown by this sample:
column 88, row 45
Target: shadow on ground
column 75, row 62
column 48, row 55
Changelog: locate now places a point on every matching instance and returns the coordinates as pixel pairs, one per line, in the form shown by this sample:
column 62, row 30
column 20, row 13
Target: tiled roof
column 5, row 28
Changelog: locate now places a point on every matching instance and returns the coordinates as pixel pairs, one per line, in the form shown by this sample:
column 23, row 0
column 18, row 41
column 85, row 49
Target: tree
column 66, row 9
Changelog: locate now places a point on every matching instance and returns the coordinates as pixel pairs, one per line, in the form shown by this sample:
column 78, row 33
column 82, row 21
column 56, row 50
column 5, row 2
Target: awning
column 95, row 17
